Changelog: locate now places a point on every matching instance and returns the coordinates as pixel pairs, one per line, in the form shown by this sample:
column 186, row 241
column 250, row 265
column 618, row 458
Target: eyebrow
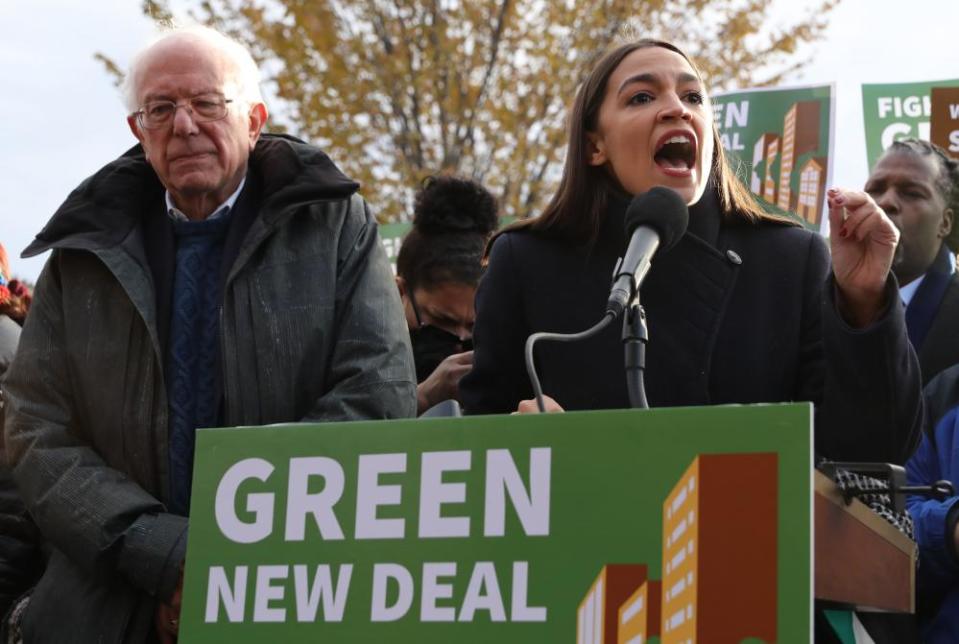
column 899, row 183
column 442, row 315
column 163, row 96
column 910, row 184
column 649, row 77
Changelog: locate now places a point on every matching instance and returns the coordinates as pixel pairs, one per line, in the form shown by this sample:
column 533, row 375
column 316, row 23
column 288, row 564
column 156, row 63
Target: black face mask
column 432, row 345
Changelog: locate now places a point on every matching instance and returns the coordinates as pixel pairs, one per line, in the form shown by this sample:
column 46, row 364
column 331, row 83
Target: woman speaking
column 743, row 309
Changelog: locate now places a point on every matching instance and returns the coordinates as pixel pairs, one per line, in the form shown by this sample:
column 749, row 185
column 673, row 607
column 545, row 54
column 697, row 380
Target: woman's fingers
column 530, row 406
column 854, row 215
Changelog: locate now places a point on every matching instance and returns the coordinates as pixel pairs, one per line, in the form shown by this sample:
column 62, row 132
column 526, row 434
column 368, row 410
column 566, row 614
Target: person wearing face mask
column 438, row 267
column 745, row 308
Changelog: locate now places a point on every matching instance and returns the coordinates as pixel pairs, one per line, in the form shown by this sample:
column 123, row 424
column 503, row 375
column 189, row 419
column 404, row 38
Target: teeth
column 678, row 139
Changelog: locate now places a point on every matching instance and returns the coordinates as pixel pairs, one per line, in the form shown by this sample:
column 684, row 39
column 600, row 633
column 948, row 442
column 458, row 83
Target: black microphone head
column 661, row 209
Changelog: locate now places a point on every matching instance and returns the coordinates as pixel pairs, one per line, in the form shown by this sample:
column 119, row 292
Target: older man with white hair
column 211, row 276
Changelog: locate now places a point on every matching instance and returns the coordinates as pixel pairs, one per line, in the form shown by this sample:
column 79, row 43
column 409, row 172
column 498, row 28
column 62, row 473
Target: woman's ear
column 401, row 285
column 595, row 149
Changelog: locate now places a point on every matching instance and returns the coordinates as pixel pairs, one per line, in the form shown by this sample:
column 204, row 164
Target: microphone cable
column 654, row 220
column 558, row 337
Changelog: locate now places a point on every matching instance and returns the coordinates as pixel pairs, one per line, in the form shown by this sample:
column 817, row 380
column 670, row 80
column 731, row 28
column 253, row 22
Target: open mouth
column 676, row 152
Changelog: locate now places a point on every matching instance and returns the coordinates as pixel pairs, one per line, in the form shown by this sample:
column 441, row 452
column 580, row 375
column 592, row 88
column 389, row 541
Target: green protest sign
column 780, row 143
column 896, row 111
column 392, row 238
column 540, row 528
column 944, row 119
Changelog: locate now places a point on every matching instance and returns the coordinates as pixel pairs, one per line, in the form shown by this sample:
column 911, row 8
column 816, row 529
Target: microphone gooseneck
column 654, row 220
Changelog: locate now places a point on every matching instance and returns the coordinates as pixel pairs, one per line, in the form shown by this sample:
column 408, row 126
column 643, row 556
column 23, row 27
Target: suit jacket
column 737, row 313
column 933, row 317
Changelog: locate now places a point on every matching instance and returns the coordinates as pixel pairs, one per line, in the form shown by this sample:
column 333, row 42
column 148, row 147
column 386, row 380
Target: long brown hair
column 579, row 204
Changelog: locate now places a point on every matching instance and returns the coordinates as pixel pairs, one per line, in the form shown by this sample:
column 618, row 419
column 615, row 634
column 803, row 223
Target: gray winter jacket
column 311, row 328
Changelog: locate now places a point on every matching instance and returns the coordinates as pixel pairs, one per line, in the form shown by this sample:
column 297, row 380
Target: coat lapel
column 685, row 299
column 924, row 305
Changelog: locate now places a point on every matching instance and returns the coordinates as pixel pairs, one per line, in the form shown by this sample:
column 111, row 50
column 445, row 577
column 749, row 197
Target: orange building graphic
column 597, row 619
column 719, row 558
column 770, row 188
column 800, row 136
column 765, row 153
column 639, row 615
column 719, row 551
column 812, row 188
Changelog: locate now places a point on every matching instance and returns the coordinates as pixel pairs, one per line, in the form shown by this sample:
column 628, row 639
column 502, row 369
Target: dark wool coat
column 737, row 313
column 311, row 329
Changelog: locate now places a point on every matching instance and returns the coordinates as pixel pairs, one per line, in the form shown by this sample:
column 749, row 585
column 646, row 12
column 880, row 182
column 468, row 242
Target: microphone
column 655, row 219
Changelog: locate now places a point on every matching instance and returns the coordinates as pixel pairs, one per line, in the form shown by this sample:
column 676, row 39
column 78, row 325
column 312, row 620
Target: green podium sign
column 615, row 526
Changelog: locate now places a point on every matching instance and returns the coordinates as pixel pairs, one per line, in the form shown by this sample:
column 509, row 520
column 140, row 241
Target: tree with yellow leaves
column 396, row 90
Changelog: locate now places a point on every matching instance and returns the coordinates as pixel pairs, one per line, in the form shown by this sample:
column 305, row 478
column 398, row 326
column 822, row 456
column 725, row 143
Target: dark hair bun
column 448, row 204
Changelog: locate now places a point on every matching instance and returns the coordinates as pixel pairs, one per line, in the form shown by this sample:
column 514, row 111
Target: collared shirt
column 906, row 292
column 909, row 290
column 177, row 215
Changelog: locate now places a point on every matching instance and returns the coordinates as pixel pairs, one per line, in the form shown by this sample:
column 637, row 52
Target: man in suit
column 917, row 184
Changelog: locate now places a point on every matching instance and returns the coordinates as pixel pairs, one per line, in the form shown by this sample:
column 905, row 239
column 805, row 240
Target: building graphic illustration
column 639, row 615
column 719, row 550
column 597, row 619
column 719, row 563
column 765, row 154
column 812, row 188
column 800, row 138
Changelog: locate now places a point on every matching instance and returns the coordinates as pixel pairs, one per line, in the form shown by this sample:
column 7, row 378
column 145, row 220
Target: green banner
column 780, row 143
column 392, row 237
column 896, row 111
column 537, row 528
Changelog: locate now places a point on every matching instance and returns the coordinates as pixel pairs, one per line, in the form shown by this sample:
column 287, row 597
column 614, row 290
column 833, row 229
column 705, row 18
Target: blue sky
column 62, row 117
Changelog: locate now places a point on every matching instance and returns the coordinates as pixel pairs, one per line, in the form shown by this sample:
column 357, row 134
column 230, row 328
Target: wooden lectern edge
column 827, row 488
column 829, row 491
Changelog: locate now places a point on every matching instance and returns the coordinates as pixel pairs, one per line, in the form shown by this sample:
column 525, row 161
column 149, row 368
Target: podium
column 596, row 527
column 861, row 561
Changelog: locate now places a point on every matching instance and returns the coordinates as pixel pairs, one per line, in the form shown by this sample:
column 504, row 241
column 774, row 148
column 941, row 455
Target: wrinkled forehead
column 183, row 64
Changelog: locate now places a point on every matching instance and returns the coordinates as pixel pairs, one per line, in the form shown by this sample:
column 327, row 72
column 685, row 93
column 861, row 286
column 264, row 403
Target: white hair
column 244, row 73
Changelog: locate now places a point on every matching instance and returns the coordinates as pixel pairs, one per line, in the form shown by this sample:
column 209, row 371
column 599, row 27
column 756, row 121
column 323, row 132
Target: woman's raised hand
column 863, row 241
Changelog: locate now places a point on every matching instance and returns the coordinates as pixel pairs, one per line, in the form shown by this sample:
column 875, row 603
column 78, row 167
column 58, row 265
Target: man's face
column 904, row 185
column 201, row 164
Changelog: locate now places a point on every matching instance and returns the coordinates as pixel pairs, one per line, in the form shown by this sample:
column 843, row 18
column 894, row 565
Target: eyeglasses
column 203, row 109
